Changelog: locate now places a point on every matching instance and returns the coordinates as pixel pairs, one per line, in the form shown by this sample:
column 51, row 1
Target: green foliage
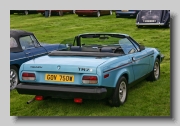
column 144, row 99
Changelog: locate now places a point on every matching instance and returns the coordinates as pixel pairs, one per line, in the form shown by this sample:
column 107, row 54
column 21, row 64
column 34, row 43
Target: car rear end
column 126, row 13
column 149, row 17
column 86, row 12
column 63, row 77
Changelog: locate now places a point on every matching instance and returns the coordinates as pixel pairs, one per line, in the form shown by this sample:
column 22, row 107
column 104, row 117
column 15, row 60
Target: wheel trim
column 13, row 78
column 156, row 70
column 122, row 91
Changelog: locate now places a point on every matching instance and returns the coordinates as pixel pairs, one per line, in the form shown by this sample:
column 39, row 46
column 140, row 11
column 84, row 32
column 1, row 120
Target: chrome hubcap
column 156, row 70
column 122, row 91
column 13, row 79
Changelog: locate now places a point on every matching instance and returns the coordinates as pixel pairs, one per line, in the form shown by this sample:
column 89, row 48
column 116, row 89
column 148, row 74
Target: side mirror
column 141, row 47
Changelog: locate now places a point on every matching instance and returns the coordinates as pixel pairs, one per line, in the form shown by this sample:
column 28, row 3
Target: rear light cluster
column 39, row 98
column 90, row 79
column 28, row 76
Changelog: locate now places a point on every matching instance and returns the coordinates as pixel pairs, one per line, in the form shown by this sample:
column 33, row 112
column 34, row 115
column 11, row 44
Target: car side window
column 13, row 43
column 127, row 46
column 36, row 43
column 26, row 42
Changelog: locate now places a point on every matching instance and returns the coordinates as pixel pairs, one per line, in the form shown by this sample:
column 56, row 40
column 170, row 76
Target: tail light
column 38, row 98
column 78, row 100
column 28, row 76
column 90, row 79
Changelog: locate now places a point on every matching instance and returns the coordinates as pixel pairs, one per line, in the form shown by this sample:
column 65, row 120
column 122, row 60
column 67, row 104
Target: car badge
column 58, row 67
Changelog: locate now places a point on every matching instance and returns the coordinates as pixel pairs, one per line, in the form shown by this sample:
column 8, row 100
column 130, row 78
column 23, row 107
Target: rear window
column 13, row 43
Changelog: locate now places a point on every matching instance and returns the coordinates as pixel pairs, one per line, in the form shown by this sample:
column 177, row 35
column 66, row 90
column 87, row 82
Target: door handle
column 133, row 59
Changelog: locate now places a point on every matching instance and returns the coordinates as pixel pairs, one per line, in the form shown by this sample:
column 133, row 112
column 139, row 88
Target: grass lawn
column 144, row 99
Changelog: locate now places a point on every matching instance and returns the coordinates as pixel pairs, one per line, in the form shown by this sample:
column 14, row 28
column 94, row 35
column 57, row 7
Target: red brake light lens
column 28, row 76
column 90, row 79
column 78, row 100
column 38, row 98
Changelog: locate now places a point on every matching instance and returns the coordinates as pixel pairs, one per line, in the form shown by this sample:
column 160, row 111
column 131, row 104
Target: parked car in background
column 96, row 13
column 56, row 12
column 26, row 12
column 126, row 13
column 98, row 66
column 153, row 18
column 23, row 47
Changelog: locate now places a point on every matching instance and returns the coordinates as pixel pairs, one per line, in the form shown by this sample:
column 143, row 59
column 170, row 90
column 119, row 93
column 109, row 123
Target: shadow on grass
column 153, row 27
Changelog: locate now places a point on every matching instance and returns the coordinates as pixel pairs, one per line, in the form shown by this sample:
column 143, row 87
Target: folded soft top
column 76, row 53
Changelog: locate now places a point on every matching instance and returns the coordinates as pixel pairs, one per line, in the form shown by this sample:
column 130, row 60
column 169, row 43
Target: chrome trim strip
column 117, row 67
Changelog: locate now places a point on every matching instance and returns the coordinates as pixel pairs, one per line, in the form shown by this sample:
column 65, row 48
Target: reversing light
column 28, row 76
column 90, row 79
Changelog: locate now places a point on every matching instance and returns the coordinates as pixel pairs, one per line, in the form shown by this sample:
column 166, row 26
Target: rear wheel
column 73, row 12
column 110, row 12
column 120, row 93
column 60, row 13
column 98, row 14
column 26, row 12
column 138, row 26
column 14, row 80
column 155, row 74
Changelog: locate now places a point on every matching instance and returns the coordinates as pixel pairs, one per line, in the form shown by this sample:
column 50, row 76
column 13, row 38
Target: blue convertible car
column 97, row 66
column 23, row 47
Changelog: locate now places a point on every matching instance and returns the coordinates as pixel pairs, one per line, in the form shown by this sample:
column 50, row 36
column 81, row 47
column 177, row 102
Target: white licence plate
column 149, row 21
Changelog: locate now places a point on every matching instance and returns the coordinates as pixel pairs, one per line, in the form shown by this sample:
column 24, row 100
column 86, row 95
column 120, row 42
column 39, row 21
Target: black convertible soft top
column 90, row 54
column 16, row 34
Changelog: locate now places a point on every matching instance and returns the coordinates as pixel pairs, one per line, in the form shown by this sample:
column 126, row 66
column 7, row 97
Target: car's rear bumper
column 126, row 15
column 155, row 24
column 64, row 91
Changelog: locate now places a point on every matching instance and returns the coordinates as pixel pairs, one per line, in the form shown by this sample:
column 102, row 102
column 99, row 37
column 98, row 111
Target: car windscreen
column 108, row 40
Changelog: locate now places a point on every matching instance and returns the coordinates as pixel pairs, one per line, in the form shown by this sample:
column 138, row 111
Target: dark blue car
column 23, row 47
column 126, row 13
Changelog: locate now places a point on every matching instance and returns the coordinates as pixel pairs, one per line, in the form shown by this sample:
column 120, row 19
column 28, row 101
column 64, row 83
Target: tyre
column 155, row 74
column 73, row 12
column 98, row 14
column 14, row 79
column 110, row 12
column 138, row 26
column 60, row 13
column 167, row 25
column 47, row 13
column 120, row 94
column 26, row 12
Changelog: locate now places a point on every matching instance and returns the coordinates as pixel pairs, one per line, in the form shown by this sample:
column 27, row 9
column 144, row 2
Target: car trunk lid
column 75, row 64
